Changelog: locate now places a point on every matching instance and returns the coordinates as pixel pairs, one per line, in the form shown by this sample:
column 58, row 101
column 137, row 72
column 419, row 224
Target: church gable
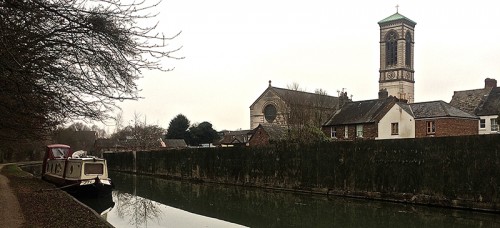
column 283, row 106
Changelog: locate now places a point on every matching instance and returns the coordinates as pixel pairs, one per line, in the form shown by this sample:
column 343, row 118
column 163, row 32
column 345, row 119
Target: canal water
column 143, row 201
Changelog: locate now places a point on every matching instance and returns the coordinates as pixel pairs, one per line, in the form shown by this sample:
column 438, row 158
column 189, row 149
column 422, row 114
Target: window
column 333, row 132
column 391, row 48
column 270, row 113
column 93, row 168
column 346, row 132
column 482, row 123
column 431, row 127
column 494, row 124
column 408, row 49
column 359, row 131
column 394, row 128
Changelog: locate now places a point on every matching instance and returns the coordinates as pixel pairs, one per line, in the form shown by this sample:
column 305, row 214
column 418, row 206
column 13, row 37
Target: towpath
column 10, row 211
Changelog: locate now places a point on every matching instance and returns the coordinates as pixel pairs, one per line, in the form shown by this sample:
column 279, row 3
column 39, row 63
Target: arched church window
column 391, row 45
column 270, row 113
column 408, row 49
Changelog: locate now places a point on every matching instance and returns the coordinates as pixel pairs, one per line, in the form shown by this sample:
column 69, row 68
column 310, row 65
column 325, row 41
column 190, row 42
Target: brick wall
column 370, row 131
column 447, row 127
column 259, row 138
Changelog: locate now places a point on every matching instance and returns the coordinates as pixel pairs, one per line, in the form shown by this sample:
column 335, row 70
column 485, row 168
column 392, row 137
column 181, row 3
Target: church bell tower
column 397, row 34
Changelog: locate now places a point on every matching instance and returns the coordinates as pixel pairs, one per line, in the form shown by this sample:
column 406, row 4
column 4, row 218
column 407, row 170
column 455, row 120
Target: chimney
column 382, row 94
column 490, row 83
column 343, row 99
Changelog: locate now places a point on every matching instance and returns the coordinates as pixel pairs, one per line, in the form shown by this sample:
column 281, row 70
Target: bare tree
column 139, row 135
column 62, row 60
column 305, row 112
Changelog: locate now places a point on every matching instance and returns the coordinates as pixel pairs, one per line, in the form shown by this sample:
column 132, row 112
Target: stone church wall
column 460, row 172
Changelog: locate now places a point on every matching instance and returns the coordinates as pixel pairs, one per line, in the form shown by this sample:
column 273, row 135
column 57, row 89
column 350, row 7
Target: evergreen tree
column 202, row 133
column 178, row 128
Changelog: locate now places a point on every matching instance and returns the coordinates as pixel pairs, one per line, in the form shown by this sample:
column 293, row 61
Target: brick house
column 390, row 118
column 484, row 103
column 358, row 119
column 438, row 119
column 267, row 134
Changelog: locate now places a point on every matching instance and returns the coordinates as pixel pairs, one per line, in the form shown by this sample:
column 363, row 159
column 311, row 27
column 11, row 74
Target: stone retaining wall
column 461, row 172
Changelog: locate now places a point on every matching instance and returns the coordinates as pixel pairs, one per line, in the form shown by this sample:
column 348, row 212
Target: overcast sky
column 233, row 48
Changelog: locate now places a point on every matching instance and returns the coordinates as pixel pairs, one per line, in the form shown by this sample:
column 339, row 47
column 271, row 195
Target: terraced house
column 392, row 118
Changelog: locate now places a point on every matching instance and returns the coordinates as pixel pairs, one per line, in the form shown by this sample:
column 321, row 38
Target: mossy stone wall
column 448, row 171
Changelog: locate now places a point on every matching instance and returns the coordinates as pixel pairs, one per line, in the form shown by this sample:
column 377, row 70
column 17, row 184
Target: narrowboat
column 75, row 172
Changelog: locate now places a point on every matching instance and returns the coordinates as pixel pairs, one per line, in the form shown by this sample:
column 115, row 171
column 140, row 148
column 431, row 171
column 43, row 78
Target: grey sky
column 232, row 48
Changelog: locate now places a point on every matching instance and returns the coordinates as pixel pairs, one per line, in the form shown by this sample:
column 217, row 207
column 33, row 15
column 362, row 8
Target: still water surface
column 142, row 201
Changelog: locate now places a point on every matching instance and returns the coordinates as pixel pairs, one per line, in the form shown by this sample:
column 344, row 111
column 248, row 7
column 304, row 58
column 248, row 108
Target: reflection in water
column 143, row 201
column 100, row 204
column 136, row 210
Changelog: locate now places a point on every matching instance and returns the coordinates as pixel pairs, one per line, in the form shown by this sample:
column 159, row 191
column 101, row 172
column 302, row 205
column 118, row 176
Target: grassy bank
column 44, row 206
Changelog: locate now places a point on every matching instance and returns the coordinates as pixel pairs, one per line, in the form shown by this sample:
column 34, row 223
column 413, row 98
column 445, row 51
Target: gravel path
column 10, row 211
column 32, row 202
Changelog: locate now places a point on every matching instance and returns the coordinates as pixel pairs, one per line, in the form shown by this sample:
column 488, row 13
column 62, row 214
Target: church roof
column 311, row 99
column 302, row 98
column 396, row 17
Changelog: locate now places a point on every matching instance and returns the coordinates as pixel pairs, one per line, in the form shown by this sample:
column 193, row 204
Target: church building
column 397, row 34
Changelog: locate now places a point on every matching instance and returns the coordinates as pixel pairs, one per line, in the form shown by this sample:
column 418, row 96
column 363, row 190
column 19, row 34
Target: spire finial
column 269, row 83
column 397, row 8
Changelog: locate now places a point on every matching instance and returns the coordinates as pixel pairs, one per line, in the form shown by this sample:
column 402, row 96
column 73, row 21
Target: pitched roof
column 357, row 112
column 302, row 98
column 469, row 100
column 235, row 137
column 433, row 109
column 480, row 102
column 275, row 132
column 395, row 17
column 175, row 143
column 490, row 105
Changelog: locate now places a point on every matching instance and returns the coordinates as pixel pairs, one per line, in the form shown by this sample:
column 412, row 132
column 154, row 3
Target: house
column 267, row 134
column 438, row 119
column 391, row 118
column 234, row 138
column 363, row 119
column 284, row 106
column 484, row 103
column 397, row 122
